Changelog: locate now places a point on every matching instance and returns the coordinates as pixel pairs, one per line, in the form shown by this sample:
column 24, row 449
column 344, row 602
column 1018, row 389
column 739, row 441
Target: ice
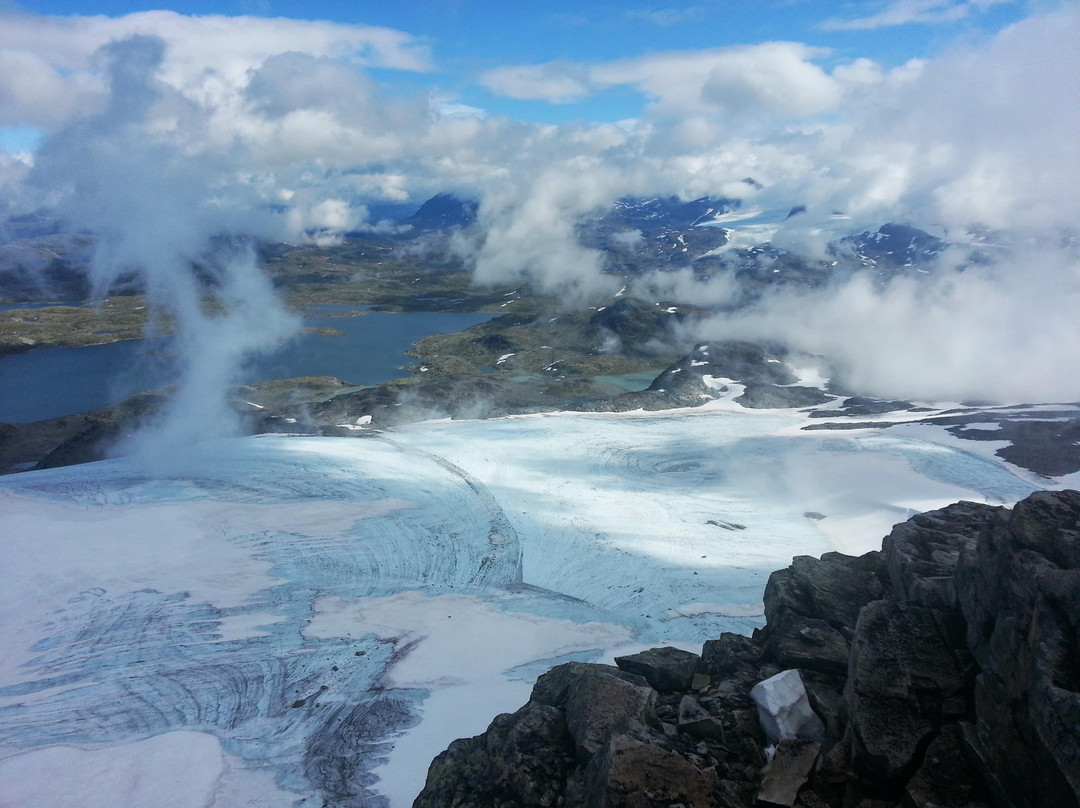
column 174, row 770
column 320, row 616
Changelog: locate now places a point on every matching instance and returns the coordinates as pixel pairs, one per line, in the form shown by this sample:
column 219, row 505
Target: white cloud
column 49, row 72
column 556, row 82
column 1000, row 333
column 906, row 12
column 773, row 77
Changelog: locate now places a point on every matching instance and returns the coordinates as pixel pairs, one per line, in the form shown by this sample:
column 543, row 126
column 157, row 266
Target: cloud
column 48, row 71
column 776, row 77
column 169, row 214
column 907, row 12
column 982, row 134
column 556, row 82
column 1004, row 332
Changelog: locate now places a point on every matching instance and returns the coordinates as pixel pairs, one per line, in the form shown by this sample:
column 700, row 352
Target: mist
column 1004, row 332
column 159, row 209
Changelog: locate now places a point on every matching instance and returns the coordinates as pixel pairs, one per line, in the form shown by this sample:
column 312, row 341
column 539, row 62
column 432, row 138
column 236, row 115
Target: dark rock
column 833, row 589
column 635, row 324
column 665, row 669
column 946, row 778
column 553, row 687
column 728, row 654
column 637, row 769
column 809, row 643
column 496, row 343
column 596, row 701
column 1050, row 448
column 922, row 553
column 788, row 771
column 695, row 721
column 442, row 212
column 903, row 681
column 772, row 396
column 825, row 694
column 744, row 362
column 1019, row 590
column 522, row 759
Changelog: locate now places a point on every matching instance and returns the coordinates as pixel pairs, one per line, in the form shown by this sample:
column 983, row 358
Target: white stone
column 784, row 709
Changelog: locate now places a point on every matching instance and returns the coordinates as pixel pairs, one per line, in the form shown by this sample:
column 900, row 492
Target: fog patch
column 160, row 208
column 1000, row 332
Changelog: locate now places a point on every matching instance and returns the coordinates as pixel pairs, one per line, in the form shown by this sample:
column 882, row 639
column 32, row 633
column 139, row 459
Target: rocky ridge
column 942, row 671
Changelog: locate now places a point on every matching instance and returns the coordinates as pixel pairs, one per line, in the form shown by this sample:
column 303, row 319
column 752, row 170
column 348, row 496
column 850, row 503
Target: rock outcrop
column 942, row 671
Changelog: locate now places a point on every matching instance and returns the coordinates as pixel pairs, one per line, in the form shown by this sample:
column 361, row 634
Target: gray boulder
column 665, row 669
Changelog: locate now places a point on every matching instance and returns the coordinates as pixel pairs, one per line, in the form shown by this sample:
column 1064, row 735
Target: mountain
column 892, row 246
column 443, row 212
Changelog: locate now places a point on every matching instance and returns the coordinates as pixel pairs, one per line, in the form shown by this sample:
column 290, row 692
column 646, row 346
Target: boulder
column 788, row 771
column 636, row 768
column 695, row 721
column 665, row 669
column 809, row 643
column 522, row 759
column 946, row 777
column 833, row 589
column 728, row 654
column 596, row 701
column 784, row 708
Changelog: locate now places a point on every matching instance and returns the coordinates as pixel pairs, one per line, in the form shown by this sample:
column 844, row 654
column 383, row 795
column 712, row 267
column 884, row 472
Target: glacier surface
column 273, row 619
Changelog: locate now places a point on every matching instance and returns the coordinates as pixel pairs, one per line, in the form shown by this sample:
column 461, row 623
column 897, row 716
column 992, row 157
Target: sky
column 160, row 128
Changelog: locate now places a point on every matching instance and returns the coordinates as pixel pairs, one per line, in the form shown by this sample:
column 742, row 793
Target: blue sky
column 468, row 37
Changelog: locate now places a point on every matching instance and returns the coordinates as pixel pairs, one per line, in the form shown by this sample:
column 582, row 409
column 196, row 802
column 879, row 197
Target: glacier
column 274, row 619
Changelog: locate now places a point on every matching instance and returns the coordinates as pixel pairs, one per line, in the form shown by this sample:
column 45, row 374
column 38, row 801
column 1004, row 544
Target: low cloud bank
column 1003, row 332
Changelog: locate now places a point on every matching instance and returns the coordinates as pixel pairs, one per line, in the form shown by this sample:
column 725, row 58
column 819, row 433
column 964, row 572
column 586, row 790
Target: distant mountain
column 673, row 233
column 45, row 268
column 893, row 246
column 443, row 212
column 660, row 214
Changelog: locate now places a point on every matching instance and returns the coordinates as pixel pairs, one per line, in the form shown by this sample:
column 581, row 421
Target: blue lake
column 51, row 382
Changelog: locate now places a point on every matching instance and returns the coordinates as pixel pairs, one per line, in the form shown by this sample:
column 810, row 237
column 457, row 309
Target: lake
column 51, row 382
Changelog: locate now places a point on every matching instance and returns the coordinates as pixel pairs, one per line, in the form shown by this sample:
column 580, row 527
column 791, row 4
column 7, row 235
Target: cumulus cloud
column 49, row 75
column 557, row 82
column 778, row 77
